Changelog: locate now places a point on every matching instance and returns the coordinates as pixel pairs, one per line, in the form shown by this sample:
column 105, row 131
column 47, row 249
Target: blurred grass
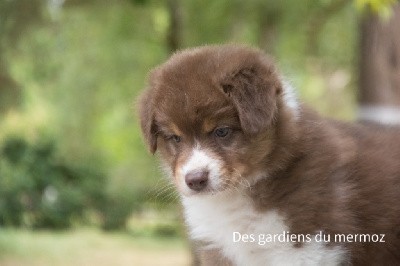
column 88, row 247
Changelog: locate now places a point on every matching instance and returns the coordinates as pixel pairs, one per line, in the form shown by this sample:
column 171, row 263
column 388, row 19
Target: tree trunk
column 10, row 92
column 174, row 34
column 269, row 15
column 379, row 92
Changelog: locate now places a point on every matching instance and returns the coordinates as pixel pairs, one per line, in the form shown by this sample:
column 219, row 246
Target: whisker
column 160, row 190
column 230, row 185
column 164, row 190
column 172, row 196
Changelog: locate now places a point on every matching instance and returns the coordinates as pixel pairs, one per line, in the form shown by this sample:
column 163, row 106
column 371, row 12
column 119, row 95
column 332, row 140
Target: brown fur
column 320, row 173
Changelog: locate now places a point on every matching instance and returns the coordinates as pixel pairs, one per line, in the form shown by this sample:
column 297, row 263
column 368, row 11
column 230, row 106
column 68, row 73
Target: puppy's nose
column 197, row 180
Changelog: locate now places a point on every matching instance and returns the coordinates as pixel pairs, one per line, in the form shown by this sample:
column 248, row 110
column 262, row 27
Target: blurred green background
column 77, row 185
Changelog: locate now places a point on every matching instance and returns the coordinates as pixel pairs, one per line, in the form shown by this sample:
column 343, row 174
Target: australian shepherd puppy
column 263, row 179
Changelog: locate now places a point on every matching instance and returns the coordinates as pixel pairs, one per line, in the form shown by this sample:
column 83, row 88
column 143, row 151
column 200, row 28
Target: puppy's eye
column 175, row 138
column 222, row 132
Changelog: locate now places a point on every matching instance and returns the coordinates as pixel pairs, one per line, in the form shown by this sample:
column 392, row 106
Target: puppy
column 263, row 179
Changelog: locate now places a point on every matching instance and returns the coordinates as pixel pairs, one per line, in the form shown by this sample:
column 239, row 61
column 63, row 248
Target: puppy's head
column 211, row 114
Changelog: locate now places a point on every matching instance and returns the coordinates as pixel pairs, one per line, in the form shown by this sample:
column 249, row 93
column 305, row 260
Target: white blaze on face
column 200, row 160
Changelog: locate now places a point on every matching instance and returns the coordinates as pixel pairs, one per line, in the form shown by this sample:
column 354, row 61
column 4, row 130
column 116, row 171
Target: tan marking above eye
column 208, row 125
column 175, row 130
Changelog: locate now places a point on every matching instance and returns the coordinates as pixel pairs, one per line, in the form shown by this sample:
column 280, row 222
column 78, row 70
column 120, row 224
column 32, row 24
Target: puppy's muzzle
column 197, row 180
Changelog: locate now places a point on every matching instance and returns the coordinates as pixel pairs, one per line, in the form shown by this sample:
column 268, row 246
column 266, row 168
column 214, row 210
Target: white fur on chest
column 214, row 219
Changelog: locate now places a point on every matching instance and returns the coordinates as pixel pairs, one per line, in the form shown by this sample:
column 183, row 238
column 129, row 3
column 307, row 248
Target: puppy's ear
column 147, row 123
column 253, row 90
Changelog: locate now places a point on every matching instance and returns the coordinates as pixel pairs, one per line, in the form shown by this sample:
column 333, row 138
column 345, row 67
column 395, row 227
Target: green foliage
column 16, row 16
column 39, row 190
column 81, row 70
column 162, row 229
column 120, row 202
